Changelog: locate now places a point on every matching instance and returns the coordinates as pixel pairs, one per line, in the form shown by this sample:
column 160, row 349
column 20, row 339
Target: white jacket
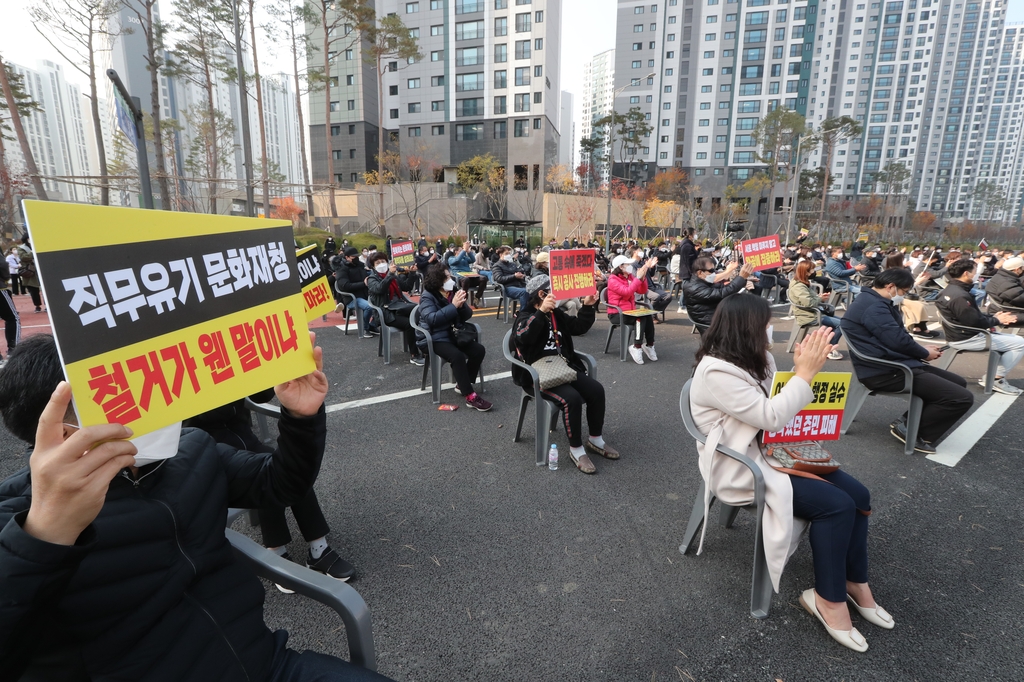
column 730, row 407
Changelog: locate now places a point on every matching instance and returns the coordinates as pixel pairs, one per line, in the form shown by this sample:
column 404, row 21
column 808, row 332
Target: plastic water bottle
column 553, row 458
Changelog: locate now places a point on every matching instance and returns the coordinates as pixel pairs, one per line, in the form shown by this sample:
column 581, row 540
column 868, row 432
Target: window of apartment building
column 705, row 105
column 392, row 90
column 523, row 22
column 465, row 82
column 500, row 53
column 336, row 154
column 729, row 35
column 413, row 83
column 501, row 26
column 723, row 122
column 393, row 113
column 500, row 79
column 414, row 131
column 749, row 107
column 522, row 102
column 348, row 55
column 638, row 10
column 749, row 89
column 469, row 30
column 538, row 71
column 538, row 97
column 468, row 6
column 778, row 52
column 702, row 138
column 522, row 49
column 704, row 122
column 757, row 18
column 780, row 34
column 758, row 36
column 523, row 75
column 468, row 132
column 335, row 106
column 437, row 29
column 351, row 105
column 637, row 46
column 706, row 88
column 351, row 153
column 638, row 28
column 352, row 177
column 469, row 107
column 708, row 37
column 351, row 128
column 636, row 64
column 333, row 79
column 350, row 79
column 538, row 17
column 702, row 155
column 500, row 104
column 672, row 19
column 414, row 107
column 469, row 56
column 437, row 55
column 412, row 7
column 437, row 130
column 522, row 127
column 500, row 4
column 536, row 126
column 500, row 130
column 436, row 81
column 522, row 2
column 708, row 72
column 335, row 131
column 743, row 157
column 699, row 171
column 654, row 27
column 538, row 44
column 710, row 54
column 745, row 141
column 437, row 105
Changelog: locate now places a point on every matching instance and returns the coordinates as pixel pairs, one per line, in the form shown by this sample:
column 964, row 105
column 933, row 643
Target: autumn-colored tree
column 922, row 221
column 286, row 209
column 669, row 184
column 660, row 213
column 579, row 211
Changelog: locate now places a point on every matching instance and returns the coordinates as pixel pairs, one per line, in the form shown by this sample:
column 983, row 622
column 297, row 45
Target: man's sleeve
column 893, row 335
column 283, row 478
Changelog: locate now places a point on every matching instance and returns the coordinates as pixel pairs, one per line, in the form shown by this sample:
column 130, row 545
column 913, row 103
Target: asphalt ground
column 478, row 565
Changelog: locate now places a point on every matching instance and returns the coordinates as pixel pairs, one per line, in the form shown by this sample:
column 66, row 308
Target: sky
column 588, row 27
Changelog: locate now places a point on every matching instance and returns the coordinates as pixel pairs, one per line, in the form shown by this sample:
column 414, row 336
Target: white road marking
column 352, row 404
column 960, row 442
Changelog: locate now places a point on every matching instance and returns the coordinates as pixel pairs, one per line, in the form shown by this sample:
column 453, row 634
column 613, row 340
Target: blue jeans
column 291, row 666
column 839, row 531
column 364, row 305
column 519, row 293
column 833, row 322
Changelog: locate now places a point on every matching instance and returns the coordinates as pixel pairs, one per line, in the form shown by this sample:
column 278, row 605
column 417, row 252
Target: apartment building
column 487, row 81
column 598, row 89
column 721, row 65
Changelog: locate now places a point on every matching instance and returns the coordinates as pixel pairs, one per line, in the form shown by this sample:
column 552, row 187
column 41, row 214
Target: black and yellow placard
column 316, row 291
column 822, row 418
column 160, row 316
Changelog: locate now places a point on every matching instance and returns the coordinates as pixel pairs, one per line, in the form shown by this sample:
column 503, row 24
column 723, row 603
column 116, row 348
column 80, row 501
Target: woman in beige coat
column 729, row 402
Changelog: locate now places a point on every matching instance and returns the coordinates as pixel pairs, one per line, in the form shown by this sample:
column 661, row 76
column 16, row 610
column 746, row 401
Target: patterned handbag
column 553, row 370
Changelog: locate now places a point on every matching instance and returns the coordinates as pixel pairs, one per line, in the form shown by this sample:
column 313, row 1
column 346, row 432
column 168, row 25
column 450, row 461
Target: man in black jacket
column 1005, row 288
column 350, row 276
column 511, row 275
column 112, row 571
column 702, row 296
column 687, row 251
column 873, row 326
column 958, row 305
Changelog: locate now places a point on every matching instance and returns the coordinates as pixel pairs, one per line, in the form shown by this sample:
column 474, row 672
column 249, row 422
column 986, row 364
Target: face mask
column 381, row 267
column 449, row 284
column 897, row 300
column 364, row 254
column 507, row 258
column 628, row 269
column 710, row 279
column 771, row 337
column 618, row 250
column 372, row 251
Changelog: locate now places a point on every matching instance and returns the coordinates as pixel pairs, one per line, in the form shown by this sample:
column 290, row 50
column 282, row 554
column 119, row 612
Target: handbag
column 827, row 310
column 400, row 307
column 465, row 336
column 807, row 459
column 553, row 370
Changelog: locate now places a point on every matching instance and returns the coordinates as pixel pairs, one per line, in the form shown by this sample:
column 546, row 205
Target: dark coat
column 531, row 332
column 439, row 316
column 151, row 590
column 379, row 286
column 874, row 326
column 1005, row 288
column 687, row 257
column 957, row 304
column 702, row 299
column 351, row 278
column 505, row 273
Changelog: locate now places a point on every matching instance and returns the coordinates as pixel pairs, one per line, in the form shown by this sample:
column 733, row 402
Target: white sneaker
column 835, row 355
column 681, row 311
column 650, row 352
column 787, row 317
column 636, row 354
column 1003, row 386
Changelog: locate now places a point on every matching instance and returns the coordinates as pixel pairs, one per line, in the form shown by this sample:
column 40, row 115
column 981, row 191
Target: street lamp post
column 611, row 154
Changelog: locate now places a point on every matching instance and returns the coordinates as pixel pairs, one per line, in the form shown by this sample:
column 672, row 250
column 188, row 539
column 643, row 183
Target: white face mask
column 628, row 269
column 710, row 278
column 449, row 284
column 771, row 336
column 897, row 300
column 381, row 267
column 364, row 254
column 507, row 258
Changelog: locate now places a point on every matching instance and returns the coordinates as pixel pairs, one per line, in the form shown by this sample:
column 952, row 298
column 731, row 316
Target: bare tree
column 561, row 184
column 14, row 111
column 828, row 135
column 264, row 165
column 78, row 30
column 153, row 31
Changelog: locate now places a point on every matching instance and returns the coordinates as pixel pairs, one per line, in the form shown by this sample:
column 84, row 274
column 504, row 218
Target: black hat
column 351, row 251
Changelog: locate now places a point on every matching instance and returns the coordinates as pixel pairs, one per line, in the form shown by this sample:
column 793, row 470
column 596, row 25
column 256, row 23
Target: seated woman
column 622, row 288
column 801, row 295
column 729, row 402
column 442, row 309
column 540, row 330
column 386, row 287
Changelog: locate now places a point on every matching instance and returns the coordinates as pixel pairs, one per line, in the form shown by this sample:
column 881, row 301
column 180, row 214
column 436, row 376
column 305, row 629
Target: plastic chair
column 798, row 331
column 841, row 293
column 505, row 302
column 761, row 583
column 547, row 410
column 623, row 329
column 859, row 393
column 994, row 306
column 951, row 351
column 384, row 342
column 435, row 363
column 340, row 596
column 349, row 301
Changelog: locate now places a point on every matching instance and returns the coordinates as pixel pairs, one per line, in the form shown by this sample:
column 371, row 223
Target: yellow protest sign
column 822, row 418
column 160, row 316
column 316, row 292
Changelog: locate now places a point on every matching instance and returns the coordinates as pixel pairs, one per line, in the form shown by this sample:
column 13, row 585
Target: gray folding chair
column 505, row 303
column 994, row 306
column 547, row 411
column 384, row 342
column 341, row 597
column 624, row 329
column 859, row 393
column 761, row 583
column 798, row 331
column 349, row 301
column 841, row 294
column 435, row 363
column 949, row 355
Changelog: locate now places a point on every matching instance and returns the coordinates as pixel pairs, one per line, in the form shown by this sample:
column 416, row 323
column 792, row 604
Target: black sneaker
column 281, row 588
column 331, row 565
column 373, row 330
column 899, row 429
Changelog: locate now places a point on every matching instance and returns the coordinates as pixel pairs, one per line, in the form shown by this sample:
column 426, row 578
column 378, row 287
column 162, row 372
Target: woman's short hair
column 502, row 250
column 737, row 334
column 901, row 277
column 380, row 255
column 803, row 271
column 894, row 260
column 435, row 277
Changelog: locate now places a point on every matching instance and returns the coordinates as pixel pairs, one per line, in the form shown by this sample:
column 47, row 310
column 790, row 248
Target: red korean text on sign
column 215, row 356
column 808, row 425
column 572, row 273
column 315, row 296
column 113, row 394
column 263, row 340
column 763, row 253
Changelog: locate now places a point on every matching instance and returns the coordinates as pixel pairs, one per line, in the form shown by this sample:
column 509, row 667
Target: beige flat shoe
column 851, row 638
column 873, row 614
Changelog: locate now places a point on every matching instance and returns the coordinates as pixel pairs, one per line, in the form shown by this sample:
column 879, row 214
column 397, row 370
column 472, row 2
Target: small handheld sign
column 823, row 417
column 572, row 273
column 316, row 291
column 763, row 253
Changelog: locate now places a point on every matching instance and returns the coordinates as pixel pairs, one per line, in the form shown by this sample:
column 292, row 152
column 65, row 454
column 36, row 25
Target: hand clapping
column 809, row 355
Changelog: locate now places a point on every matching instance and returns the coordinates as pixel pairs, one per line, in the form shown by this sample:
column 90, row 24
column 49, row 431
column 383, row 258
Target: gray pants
column 1010, row 349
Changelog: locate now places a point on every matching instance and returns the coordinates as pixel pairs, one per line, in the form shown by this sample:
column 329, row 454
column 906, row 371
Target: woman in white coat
column 729, row 402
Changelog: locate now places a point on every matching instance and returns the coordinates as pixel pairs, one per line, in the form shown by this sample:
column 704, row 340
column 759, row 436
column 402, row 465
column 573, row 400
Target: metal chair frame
column 384, row 341
column 435, row 363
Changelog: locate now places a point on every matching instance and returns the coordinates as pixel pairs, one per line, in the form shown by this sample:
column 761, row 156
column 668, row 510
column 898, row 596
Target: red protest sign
column 402, row 253
column 572, row 273
column 763, row 253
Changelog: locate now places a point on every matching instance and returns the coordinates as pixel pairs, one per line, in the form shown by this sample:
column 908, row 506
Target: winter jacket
column 532, row 338
column 505, row 273
column 423, row 263
column 837, row 270
column 874, row 327
column 351, row 278
column 151, row 590
column 956, row 304
column 621, row 290
column 462, row 263
column 379, row 286
column 1005, row 288
column 438, row 316
column 28, row 271
column 801, row 295
column 702, row 298
column 687, row 257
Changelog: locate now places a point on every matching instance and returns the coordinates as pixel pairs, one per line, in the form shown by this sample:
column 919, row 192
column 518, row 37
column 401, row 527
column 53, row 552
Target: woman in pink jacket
column 622, row 289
